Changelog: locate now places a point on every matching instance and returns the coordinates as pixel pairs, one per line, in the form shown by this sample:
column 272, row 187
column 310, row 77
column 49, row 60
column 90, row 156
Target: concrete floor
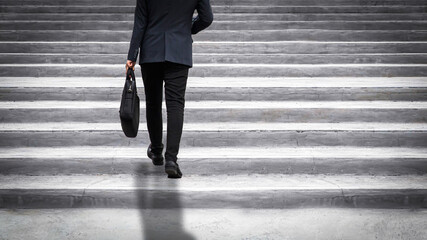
column 310, row 224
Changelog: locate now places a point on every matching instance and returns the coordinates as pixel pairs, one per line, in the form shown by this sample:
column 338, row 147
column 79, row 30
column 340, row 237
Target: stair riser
column 223, row 2
column 223, row 71
column 257, row 25
column 213, row 166
column 223, row 35
column 141, row 199
column 220, row 139
column 223, row 48
column 199, row 58
column 222, row 115
column 224, row 94
column 130, row 9
column 222, row 17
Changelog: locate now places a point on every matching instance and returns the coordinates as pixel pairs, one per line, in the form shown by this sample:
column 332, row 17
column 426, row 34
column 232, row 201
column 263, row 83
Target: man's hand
column 130, row 64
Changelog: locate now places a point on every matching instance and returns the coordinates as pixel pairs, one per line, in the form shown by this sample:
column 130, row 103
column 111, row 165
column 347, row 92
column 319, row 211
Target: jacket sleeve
column 139, row 26
column 204, row 18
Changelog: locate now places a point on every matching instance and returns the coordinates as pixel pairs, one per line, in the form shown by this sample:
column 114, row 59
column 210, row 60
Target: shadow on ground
column 160, row 208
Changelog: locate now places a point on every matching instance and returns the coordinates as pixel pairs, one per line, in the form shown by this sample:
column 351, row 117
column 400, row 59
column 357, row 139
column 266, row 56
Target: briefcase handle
column 130, row 75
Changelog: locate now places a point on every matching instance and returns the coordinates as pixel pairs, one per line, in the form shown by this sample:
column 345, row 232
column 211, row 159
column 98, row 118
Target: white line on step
column 222, row 82
column 228, row 65
column 367, row 153
column 237, row 183
column 222, row 105
column 219, row 126
column 224, row 54
column 224, row 42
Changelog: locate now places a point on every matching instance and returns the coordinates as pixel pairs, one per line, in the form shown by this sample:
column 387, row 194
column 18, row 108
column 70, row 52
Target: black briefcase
column 129, row 106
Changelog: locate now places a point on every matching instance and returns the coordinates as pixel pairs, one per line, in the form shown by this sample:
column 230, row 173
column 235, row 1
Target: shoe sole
column 172, row 172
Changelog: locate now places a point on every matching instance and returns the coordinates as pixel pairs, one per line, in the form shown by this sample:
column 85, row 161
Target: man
column 162, row 33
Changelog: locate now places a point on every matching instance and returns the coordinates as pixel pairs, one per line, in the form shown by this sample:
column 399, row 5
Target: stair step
column 193, row 223
column 223, row 16
column 224, row 105
column 224, row 2
column 285, row 47
column 221, row 134
column 238, row 191
column 223, row 35
column 240, row 160
column 223, row 58
column 222, row 82
column 220, row 127
column 224, row 153
column 224, row 70
column 216, row 160
column 130, row 9
column 238, row 183
column 223, row 111
column 221, row 25
column 227, row 89
column 224, row 93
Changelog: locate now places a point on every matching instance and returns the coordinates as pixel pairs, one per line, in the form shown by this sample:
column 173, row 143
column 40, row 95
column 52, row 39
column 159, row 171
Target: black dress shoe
column 172, row 169
column 156, row 158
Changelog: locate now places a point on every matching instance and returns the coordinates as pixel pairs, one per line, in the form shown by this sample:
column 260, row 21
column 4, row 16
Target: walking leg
column 175, row 84
column 152, row 75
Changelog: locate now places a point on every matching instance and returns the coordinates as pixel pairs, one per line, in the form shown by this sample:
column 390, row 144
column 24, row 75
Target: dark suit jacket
column 162, row 29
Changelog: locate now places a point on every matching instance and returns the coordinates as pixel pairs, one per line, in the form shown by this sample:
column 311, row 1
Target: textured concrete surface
column 247, row 48
column 236, row 151
column 214, row 136
column 221, row 25
column 230, row 3
column 223, row 111
column 225, row 93
column 225, row 70
column 378, row 165
column 222, row 35
column 221, row 8
column 186, row 224
column 276, row 191
column 275, row 58
column 222, row 16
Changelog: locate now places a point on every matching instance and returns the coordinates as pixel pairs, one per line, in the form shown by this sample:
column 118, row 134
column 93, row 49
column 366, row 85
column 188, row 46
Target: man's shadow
column 159, row 202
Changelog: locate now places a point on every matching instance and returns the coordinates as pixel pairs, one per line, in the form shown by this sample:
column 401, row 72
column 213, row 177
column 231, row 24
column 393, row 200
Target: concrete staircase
column 298, row 113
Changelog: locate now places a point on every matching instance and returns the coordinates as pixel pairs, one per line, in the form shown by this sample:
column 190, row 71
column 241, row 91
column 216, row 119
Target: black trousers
column 175, row 77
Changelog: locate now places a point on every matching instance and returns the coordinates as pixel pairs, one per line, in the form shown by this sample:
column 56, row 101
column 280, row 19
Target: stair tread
column 329, row 58
column 220, row 21
column 223, row 16
column 218, row 152
column 236, row 183
column 221, row 35
column 221, row 25
column 228, row 47
column 223, row 104
column 226, row 70
column 222, row 2
column 221, row 82
column 130, row 224
column 227, row 65
column 219, row 126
